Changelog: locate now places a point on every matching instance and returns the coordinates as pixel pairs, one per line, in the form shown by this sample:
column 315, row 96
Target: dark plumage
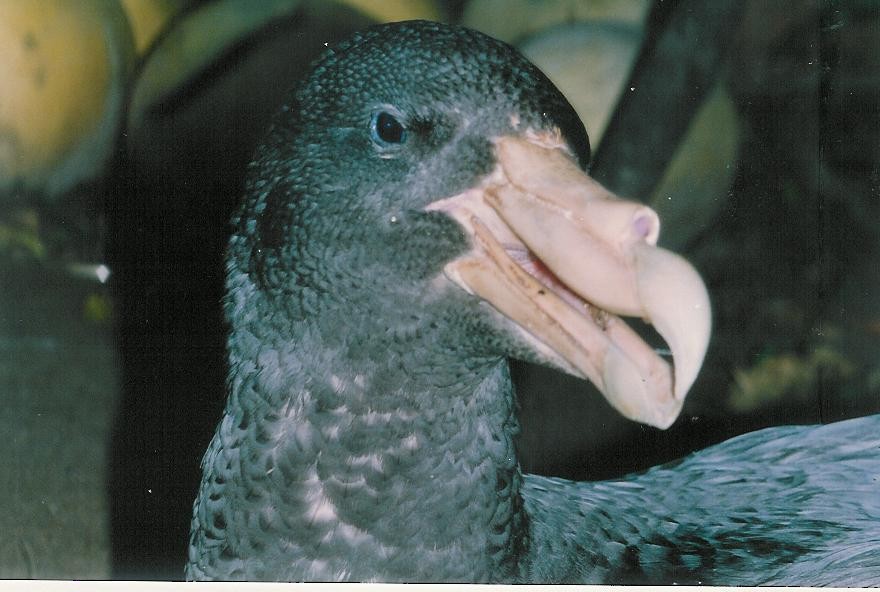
column 369, row 429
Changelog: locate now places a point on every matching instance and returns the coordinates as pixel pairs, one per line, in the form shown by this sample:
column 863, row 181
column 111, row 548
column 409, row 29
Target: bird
column 417, row 215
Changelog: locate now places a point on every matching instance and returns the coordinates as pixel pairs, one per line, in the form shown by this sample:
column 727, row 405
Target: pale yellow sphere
column 384, row 11
column 514, row 20
column 590, row 62
column 62, row 77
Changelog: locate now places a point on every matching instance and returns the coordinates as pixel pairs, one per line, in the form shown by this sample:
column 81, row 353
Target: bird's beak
column 560, row 256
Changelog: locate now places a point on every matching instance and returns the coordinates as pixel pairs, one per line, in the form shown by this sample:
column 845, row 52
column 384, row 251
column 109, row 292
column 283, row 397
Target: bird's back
column 787, row 505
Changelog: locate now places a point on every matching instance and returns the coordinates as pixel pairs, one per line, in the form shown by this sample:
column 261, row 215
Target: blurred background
column 125, row 127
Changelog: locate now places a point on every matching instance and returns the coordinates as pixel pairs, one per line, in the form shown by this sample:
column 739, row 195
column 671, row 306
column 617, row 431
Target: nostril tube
column 646, row 225
column 642, row 226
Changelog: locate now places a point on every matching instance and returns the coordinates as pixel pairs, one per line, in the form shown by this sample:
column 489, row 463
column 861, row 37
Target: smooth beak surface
column 561, row 256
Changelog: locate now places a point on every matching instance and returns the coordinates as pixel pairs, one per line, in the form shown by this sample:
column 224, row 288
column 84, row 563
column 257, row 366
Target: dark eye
column 388, row 129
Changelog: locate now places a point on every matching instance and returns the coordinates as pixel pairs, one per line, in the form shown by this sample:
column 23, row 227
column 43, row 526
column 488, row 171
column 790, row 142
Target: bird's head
column 426, row 182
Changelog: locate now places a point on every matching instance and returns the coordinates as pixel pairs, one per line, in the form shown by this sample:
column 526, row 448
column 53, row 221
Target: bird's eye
column 387, row 129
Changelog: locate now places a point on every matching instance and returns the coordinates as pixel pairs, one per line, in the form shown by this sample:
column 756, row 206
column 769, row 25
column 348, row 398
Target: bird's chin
column 561, row 257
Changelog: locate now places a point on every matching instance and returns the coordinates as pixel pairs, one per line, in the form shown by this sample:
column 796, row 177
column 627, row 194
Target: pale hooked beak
column 559, row 255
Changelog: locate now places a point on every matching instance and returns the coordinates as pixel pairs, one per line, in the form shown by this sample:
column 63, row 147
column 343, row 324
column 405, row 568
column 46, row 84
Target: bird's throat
column 365, row 472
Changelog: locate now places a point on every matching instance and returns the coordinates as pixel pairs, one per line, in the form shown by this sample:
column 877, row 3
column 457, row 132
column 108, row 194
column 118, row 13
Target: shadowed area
column 59, row 379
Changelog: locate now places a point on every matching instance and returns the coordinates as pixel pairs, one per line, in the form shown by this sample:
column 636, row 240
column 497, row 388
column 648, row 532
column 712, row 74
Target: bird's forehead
column 429, row 63
column 425, row 69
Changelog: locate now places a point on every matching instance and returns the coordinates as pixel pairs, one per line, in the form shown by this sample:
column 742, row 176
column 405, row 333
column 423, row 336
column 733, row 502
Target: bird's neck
column 376, row 468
